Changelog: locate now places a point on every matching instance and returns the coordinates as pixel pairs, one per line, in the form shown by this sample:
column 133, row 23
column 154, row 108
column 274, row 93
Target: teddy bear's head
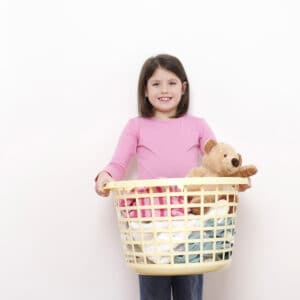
column 221, row 159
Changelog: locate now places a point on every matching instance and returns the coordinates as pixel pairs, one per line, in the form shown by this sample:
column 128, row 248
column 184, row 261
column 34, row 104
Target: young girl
column 168, row 143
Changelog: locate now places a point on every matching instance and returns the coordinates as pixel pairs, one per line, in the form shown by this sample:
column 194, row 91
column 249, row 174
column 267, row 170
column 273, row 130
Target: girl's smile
column 164, row 98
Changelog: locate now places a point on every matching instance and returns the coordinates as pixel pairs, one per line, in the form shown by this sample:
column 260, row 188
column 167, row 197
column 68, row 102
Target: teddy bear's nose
column 235, row 162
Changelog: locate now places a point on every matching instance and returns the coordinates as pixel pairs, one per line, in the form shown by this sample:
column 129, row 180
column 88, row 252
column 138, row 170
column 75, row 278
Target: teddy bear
column 219, row 160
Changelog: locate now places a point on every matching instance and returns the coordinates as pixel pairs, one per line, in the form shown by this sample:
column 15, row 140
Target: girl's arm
column 125, row 150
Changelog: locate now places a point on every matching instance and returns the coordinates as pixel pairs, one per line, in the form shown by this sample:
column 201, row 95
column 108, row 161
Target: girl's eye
column 172, row 83
column 225, row 155
column 155, row 84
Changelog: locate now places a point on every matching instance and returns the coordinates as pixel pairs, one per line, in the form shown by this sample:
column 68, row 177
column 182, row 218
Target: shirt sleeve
column 206, row 133
column 125, row 150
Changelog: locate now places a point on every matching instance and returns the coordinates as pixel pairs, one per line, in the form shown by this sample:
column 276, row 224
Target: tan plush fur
column 219, row 160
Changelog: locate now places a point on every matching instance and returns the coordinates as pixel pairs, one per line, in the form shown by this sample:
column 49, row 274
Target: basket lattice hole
column 180, row 259
column 165, row 235
column 137, row 248
column 208, row 245
column 209, row 234
column 165, row 258
column 124, row 236
column 130, row 258
column 229, row 233
column 231, row 210
column 209, row 223
column 126, row 202
column 180, row 249
column 129, row 247
column 220, row 233
column 219, row 256
column 194, row 246
column 148, row 235
column 227, row 254
column 194, row 258
column 220, row 245
column 230, row 221
column 140, row 260
column 142, row 201
column 161, row 189
column 221, row 221
column 228, row 245
column 207, row 257
column 123, row 224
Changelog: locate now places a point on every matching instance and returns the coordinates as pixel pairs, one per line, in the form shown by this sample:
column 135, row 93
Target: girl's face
column 164, row 91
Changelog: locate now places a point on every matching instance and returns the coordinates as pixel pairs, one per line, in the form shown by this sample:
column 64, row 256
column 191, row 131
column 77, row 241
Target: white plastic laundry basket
column 161, row 235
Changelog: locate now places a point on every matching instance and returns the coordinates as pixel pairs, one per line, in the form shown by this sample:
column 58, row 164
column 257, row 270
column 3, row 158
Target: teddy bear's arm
column 246, row 171
column 196, row 172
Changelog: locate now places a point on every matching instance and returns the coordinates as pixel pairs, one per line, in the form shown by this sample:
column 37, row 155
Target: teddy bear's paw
column 248, row 171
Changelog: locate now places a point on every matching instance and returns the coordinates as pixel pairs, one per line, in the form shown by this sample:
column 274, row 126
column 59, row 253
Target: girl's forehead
column 161, row 73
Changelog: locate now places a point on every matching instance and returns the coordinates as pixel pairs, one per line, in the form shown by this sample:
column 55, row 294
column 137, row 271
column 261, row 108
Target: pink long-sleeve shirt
column 164, row 148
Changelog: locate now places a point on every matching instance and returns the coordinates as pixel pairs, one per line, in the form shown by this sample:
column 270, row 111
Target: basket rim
column 186, row 181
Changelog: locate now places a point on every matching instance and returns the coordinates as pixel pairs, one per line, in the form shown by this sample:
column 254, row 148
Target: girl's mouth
column 164, row 99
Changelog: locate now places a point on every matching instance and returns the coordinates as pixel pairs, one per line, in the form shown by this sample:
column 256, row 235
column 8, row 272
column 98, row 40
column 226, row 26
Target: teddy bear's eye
column 225, row 155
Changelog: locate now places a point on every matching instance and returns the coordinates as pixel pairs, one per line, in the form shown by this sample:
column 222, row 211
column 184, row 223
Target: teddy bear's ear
column 240, row 159
column 209, row 145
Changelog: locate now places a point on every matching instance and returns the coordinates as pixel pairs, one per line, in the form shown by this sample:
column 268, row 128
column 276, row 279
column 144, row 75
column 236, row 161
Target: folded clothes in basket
column 207, row 245
column 137, row 202
column 156, row 241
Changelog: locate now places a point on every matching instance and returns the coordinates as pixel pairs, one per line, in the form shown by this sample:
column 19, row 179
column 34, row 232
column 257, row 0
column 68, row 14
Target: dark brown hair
column 170, row 63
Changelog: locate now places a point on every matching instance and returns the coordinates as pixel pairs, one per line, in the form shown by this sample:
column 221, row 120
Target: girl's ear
column 184, row 85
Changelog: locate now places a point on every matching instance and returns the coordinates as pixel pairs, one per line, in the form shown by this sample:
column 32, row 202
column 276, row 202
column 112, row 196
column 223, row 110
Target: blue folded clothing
column 207, row 245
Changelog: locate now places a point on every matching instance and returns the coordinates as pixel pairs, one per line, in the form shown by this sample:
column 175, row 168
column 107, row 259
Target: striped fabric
column 157, row 201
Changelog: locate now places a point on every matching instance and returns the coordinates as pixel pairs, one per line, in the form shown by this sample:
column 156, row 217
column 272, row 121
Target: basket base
column 179, row 269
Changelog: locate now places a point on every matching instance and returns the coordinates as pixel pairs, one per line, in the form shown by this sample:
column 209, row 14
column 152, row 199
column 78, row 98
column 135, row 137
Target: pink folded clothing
column 161, row 200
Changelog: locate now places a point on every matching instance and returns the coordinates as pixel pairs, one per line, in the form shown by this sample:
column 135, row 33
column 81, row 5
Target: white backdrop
column 68, row 81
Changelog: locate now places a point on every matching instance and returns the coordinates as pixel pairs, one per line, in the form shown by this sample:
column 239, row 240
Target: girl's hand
column 101, row 180
column 244, row 187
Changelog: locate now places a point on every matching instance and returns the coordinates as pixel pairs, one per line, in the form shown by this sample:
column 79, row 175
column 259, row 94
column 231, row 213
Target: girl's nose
column 164, row 88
